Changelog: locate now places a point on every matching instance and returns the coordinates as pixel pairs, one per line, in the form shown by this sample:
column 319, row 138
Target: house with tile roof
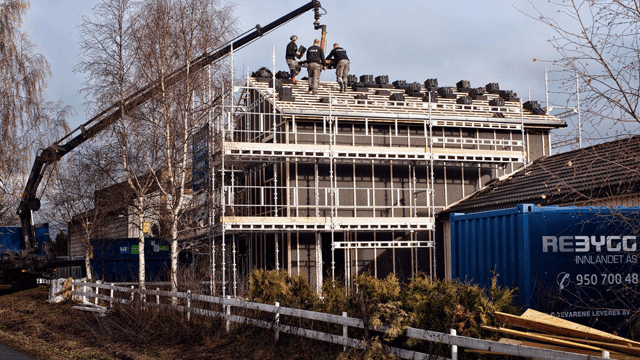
column 603, row 175
column 606, row 174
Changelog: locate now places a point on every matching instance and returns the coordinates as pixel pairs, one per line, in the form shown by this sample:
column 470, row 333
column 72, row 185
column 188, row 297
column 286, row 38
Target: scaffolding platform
column 411, row 244
column 325, row 224
column 266, row 152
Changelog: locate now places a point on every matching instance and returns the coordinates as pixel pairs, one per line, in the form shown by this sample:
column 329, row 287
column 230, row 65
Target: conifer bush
column 437, row 305
column 382, row 305
column 334, row 299
column 441, row 305
column 267, row 287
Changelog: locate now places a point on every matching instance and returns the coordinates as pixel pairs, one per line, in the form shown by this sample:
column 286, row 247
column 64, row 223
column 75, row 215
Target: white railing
column 151, row 298
column 361, row 137
column 259, row 200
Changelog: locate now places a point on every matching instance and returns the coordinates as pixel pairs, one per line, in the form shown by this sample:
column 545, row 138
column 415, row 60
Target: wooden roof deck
column 379, row 106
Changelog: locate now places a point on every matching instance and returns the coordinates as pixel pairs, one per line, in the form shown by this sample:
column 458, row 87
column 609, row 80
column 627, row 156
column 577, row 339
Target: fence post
column 345, row 331
column 188, row 305
column 97, row 292
column 132, row 289
column 454, row 348
column 84, row 292
column 277, row 320
column 228, row 313
column 53, row 289
column 111, row 294
column 605, row 354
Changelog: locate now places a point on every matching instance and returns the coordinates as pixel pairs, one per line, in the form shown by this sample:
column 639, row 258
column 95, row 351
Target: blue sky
column 479, row 41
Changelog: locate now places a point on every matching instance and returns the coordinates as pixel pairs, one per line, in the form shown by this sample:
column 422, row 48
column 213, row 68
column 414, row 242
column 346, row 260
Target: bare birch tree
column 108, row 58
column 598, row 42
column 75, row 183
column 172, row 34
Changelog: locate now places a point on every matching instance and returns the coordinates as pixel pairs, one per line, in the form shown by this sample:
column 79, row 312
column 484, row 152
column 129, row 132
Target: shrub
column 302, row 296
column 437, row 305
column 379, row 303
column 442, row 305
column 334, row 299
column 268, row 287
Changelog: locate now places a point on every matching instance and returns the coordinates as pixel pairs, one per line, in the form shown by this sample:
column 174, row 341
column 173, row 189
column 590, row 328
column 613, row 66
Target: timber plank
column 536, row 321
column 612, row 355
column 626, row 349
column 541, row 337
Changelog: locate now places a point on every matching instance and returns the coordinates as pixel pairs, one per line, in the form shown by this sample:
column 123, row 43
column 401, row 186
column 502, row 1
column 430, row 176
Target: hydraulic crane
column 30, row 202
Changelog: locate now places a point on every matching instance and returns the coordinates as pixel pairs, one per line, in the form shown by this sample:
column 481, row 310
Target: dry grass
column 45, row 331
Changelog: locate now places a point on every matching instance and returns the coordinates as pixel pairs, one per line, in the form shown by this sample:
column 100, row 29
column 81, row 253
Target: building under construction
column 337, row 184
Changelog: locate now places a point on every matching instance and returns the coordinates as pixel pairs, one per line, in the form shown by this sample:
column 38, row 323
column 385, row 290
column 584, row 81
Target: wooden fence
column 187, row 303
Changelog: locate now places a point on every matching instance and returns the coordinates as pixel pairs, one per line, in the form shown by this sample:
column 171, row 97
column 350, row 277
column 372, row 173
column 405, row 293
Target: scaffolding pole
column 235, row 281
column 212, row 186
column 524, row 143
column 578, row 111
column 333, row 189
column 431, row 190
column 273, row 80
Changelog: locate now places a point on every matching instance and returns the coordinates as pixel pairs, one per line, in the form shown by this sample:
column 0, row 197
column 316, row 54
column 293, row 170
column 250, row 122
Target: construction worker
column 342, row 65
column 292, row 51
column 315, row 63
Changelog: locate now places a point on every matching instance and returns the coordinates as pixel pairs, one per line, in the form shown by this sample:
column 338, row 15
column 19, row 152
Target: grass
column 57, row 331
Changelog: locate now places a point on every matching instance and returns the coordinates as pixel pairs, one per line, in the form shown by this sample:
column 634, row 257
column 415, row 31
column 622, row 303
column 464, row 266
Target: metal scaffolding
column 370, row 174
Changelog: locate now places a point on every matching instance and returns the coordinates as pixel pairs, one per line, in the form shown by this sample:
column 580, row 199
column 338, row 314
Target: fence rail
column 93, row 291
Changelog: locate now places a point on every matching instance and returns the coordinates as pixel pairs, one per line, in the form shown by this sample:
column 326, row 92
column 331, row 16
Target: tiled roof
column 600, row 171
column 413, row 107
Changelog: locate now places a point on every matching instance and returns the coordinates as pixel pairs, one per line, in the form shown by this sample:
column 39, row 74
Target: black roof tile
column 599, row 171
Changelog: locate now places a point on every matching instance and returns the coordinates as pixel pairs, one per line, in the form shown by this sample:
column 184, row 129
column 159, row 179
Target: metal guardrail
column 453, row 340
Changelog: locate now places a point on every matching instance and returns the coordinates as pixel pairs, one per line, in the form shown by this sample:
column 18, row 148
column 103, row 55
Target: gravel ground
column 7, row 353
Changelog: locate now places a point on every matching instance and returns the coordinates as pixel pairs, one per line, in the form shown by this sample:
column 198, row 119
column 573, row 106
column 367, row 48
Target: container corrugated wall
column 492, row 243
column 11, row 238
column 572, row 262
column 115, row 260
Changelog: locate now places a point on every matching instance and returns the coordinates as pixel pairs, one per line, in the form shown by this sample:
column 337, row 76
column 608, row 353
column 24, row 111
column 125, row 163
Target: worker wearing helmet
column 315, row 63
column 342, row 65
column 292, row 50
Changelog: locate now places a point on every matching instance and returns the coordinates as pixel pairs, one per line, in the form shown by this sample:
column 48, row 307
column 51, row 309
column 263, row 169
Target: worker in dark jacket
column 292, row 51
column 342, row 65
column 315, row 63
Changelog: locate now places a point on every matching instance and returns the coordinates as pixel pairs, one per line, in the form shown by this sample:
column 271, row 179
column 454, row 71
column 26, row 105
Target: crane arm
column 89, row 129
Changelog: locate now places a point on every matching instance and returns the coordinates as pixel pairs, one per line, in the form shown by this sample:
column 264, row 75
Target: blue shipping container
column 117, row 259
column 11, row 238
column 571, row 262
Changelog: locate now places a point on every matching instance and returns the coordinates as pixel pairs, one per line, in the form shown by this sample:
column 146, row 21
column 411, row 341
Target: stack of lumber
column 559, row 334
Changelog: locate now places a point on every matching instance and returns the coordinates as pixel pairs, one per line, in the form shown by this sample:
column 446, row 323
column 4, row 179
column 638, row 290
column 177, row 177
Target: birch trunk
column 87, row 261
column 141, row 260
column 174, row 259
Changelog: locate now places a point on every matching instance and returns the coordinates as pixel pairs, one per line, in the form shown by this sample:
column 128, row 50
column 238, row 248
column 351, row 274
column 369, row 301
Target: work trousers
column 314, row 76
column 342, row 72
column 294, row 68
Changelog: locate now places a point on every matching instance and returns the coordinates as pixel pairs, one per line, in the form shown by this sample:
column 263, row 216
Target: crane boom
column 95, row 125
